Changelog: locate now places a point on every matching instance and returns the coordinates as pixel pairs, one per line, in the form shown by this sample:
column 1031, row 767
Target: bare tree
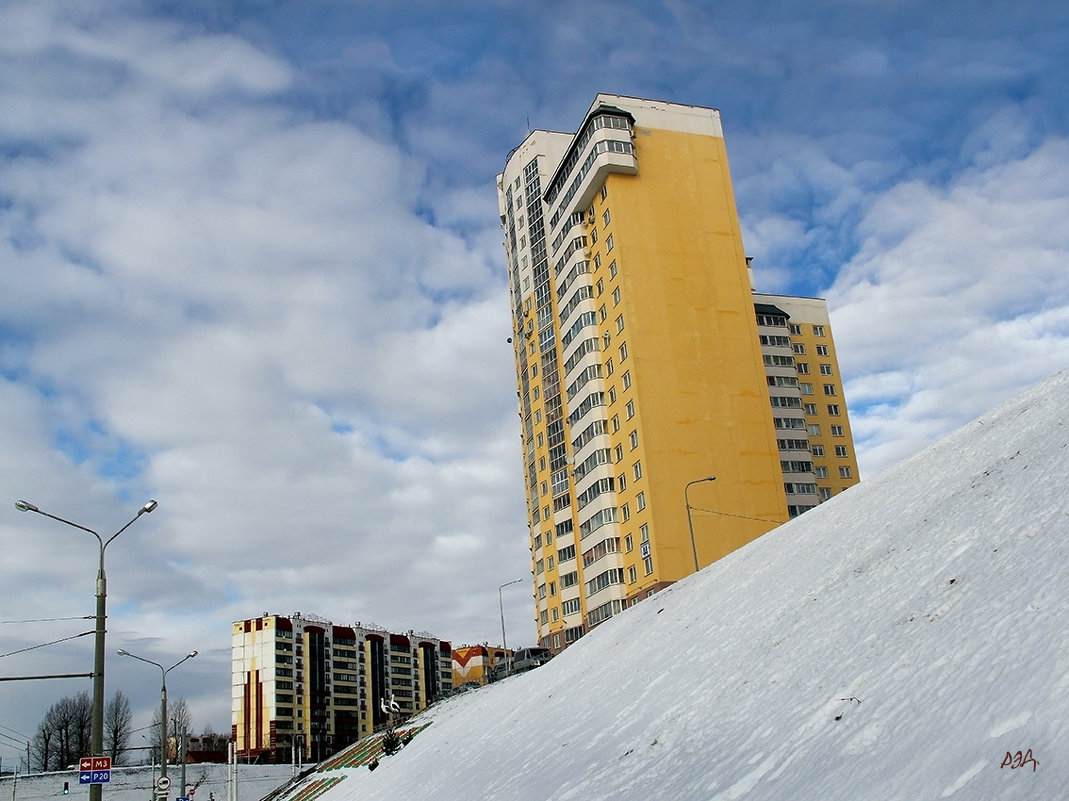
column 179, row 722
column 117, row 731
column 63, row 737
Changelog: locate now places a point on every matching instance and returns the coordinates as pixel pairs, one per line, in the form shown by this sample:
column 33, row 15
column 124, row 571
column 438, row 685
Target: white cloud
column 314, row 378
column 958, row 296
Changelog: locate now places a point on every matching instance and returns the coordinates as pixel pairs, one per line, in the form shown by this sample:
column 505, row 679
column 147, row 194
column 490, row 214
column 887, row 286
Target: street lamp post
column 690, row 522
column 501, row 607
column 163, row 702
column 96, row 735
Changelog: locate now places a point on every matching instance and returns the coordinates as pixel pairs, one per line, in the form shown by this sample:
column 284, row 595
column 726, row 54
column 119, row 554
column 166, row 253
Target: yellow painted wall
column 697, row 374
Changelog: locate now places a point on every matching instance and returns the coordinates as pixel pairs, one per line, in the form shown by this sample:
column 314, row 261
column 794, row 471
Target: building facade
column 478, row 664
column 303, row 683
column 641, row 370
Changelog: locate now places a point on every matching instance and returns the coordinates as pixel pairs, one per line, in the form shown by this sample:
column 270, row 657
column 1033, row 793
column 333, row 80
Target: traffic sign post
column 94, row 770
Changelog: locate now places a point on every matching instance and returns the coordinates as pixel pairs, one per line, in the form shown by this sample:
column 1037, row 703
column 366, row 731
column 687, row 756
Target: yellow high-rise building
column 642, row 372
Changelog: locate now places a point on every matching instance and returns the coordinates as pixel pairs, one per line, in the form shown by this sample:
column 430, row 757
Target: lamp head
column 191, row 654
column 121, row 652
column 148, row 507
column 25, row 506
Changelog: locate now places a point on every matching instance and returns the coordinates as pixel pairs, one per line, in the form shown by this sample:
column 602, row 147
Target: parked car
column 530, row 658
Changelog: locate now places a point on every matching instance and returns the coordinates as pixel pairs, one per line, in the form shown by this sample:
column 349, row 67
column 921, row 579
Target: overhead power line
column 42, row 645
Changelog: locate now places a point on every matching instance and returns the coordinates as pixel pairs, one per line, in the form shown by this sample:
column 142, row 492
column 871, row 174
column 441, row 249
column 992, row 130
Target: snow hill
column 896, row 642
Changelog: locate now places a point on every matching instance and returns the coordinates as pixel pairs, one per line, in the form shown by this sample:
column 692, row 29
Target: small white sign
column 163, row 783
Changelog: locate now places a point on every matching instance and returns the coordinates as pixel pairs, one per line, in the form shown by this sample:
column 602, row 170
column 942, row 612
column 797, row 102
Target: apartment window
column 640, row 502
column 805, row 389
column 647, row 564
column 600, row 286
column 840, row 450
column 612, row 395
column 616, row 297
column 623, row 346
column 541, row 461
column 810, row 408
column 539, row 566
column 608, row 367
column 545, row 488
column 621, row 482
column 822, row 350
column 540, row 440
column 632, row 575
column 597, row 260
column 603, row 314
column 833, row 410
column 606, row 340
column 604, row 191
column 799, row 348
column 609, row 243
column 818, row 330
column 538, row 416
column 629, row 543
column 824, row 492
column 545, row 513
column 535, row 394
column 619, row 453
column 844, row 472
column 803, row 368
column 821, row 472
column 549, row 564
column 814, row 429
column 795, row 328
column 593, row 235
column 627, row 379
column 634, row 440
column 619, row 321
column 637, row 467
column 825, row 369
column 818, row 450
column 829, row 389
column 544, row 617
column 612, row 269
column 615, row 423
column 605, row 217
column 630, row 409
column 541, row 591
column 625, row 513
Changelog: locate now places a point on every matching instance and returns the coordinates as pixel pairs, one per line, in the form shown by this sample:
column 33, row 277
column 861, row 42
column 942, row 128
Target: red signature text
column 1019, row 760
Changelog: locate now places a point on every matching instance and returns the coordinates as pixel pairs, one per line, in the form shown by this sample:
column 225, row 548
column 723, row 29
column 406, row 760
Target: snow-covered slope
column 894, row 643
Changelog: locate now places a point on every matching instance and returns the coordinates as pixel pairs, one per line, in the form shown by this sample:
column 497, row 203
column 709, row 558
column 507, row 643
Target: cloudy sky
column 252, row 268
